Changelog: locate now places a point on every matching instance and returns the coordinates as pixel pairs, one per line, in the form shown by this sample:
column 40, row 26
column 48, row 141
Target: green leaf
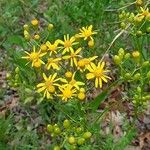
column 98, row 100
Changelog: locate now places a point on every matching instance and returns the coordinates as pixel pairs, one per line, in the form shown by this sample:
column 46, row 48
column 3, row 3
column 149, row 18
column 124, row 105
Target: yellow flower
column 144, row 12
column 67, row 43
column 83, row 63
column 67, row 92
column 53, row 62
column 72, row 82
column 98, row 73
column 86, row 32
column 135, row 54
column 73, row 56
column 34, row 57
column 52, row 47
column 34, row 22
column 48, row 86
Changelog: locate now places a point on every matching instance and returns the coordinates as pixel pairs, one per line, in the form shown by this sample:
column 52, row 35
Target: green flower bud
column 145, row 64
column 56, row 148
column 121, row 51
column 17, row 76
column 139, row 90
column 148, row 30
column 87, row 135
column 73, row 147
column 117, row 59
column 17, row 70
column 71, row 140
column 139, row 33
column 50, row 128
column 79, row 130
column 148, row 75
column 123, row 25
column 66, row 123
column 57, row 130
column 127, row 76
column 8, row 76
column 136, row 76
column 81, row 141
column 127, row 56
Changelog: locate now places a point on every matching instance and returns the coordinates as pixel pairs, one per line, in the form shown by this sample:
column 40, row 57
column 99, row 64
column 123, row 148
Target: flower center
column 34, row 56
column 87, row 33
column 67, row 43
column 67, row 93
column 98, row 72
column 52, row 47
column 50, row 87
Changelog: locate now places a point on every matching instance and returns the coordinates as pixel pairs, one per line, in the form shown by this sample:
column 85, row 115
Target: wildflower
column 48, row 86
column 34, row 22
column 67, row 92
column 53, row 62
column 98, row 73
column 52, row 47
column 34, row 57
column 73, row 56
column 144, row 12
column 67, row 43
column 86, row 32
column 72, row 82
column 83, row 63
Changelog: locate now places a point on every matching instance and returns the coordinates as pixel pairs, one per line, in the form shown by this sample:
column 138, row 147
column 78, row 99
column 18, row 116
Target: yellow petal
column 96, row 82
column 41, row 89
column 100, row 82
column 90, row 76
column 40, row 84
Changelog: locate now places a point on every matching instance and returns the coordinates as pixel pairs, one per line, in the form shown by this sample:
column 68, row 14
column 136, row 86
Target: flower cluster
column 139, row 21
column 69, row 135
column 62, row 61
column 134, row 69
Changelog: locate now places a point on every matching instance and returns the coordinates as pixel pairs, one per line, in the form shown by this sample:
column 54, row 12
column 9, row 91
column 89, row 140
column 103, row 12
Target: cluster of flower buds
column 69, row 135
column 32, row 30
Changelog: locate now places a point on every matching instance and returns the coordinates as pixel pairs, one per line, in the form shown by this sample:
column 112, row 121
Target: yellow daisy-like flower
column 53, row 63
column 83, row 63
column 144, row 12
column 98, row 73
column 73, row 56
column 86, row 32
column 72, row 82
column 67, row 92
column 67, row 43
column 48, row 86
column 34, row 57
column 52, row 47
